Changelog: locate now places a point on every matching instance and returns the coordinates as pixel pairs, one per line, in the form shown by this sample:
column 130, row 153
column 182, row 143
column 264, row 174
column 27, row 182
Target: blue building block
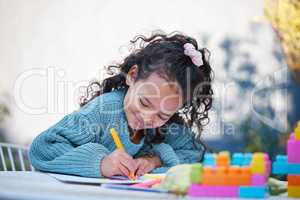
column 237, row 159
column 209, row 160
column 247, row 159
column 241, row 159
column 282, row 167
column 252, row 191
column 294, row 169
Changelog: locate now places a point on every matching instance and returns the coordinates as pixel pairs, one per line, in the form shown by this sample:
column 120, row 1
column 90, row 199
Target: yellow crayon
column 120, row 146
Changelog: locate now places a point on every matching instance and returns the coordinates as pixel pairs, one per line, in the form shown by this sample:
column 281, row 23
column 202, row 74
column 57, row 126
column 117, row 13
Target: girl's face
column 150, row 102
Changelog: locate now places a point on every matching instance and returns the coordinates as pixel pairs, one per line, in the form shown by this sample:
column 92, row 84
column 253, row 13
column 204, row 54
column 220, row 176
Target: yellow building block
column 258, row 156
column 297, row 132
column 294, row 191
column 258, row 164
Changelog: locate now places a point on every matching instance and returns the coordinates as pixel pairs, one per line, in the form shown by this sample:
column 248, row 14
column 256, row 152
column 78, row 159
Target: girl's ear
column 131, row 75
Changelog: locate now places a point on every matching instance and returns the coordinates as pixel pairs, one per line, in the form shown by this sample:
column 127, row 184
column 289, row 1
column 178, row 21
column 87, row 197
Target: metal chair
column 14, row 158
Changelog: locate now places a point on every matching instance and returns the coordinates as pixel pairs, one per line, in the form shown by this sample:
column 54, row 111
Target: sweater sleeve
column 179, row 147
column 68, row 147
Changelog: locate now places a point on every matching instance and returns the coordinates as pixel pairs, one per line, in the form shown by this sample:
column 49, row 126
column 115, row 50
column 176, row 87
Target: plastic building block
column 223, row 159
column 245, row 177
column 294, row 191
column 247, row 159
column 238, row 176
column 196, row 190
column 196, row 173
column 294, row 169
column 268, row 164
column 241, row 159
column 293, row 149
column 209, row 159
column 252, row 192
column 258, row 180
column 237, row 159
column 297, row 131
column 213, row 191
column 259, row 164
column 281, row 166
column 226, row 176
column 211, row 177
column 293, row 180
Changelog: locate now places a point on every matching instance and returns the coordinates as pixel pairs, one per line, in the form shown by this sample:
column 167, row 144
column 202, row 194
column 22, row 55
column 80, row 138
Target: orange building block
column 223, row 159
column 245, row 178
column 239, row 176
column 293, row 180
column 224, row 176
column 233, row 175
column 209, row 176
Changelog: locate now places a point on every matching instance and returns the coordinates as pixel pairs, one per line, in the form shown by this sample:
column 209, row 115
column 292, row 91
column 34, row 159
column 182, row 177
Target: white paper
column 85, row 180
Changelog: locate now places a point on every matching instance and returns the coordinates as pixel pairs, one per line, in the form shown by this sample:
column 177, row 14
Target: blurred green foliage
column 259, row 137
column 4, row 111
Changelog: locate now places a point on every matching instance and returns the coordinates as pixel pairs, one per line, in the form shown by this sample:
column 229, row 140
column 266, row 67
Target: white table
column 40, row 186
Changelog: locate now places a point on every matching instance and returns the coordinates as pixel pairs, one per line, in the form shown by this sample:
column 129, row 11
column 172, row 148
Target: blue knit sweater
column 77, row 144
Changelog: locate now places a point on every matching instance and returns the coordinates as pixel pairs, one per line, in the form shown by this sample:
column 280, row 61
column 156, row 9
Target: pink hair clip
column 196, row 56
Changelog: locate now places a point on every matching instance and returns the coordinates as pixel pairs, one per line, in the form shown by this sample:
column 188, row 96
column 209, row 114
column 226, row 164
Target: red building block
column 293, row 180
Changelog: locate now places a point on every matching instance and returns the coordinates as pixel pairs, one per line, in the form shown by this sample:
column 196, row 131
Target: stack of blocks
column 245, row 176
column 290, row 165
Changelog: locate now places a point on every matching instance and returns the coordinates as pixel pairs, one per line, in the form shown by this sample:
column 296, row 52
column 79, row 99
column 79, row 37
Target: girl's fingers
column 138, row 167
column 130, row 165
column 144, row 168
column 138, row 163
column 124, row 170
column 126, row 156
column 141, row 170
column 140, row 173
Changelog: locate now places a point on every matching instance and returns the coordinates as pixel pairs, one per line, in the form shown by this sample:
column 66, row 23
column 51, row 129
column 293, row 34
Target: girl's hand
column 118, row 163
column 146, row 164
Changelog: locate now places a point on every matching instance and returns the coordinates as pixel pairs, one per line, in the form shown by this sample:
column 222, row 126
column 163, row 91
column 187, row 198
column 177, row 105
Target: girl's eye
column 147, row 106
column 143, row 104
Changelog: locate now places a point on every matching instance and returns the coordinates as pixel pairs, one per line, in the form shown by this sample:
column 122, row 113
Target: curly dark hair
column 165, row 52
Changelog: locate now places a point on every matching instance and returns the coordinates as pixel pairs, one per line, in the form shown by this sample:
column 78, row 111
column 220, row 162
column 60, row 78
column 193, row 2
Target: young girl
column 163, row 89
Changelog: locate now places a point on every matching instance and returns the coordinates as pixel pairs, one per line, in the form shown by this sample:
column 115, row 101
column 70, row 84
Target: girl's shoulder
column 179, row 136
column 177, row 131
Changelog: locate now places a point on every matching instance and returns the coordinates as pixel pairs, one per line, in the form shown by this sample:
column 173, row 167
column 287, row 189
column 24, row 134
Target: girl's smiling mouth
column 138, row 122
